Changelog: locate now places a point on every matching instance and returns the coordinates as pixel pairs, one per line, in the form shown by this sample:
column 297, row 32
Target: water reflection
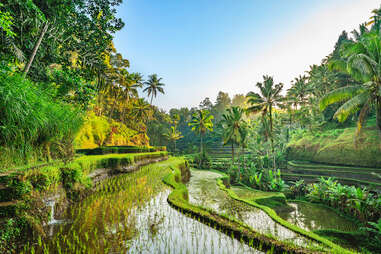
column 204, row 191
column 314, row 217
column 162, row 229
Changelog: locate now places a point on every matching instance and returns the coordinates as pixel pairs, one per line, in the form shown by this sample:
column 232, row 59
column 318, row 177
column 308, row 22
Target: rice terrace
column 190, row 127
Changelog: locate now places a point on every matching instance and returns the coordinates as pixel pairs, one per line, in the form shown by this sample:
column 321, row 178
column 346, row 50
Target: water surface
column 203, row 190
column 315, row 217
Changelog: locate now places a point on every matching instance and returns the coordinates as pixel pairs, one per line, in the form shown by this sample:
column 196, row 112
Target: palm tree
column 322, row 80
column 130, row 87
column 173, row 135
column 299, row 91
column 234, row 127
column 201, row 122
column 126, row 88
column 153, row 86
column 265, row 101
column 141, row 110
column 362, row 60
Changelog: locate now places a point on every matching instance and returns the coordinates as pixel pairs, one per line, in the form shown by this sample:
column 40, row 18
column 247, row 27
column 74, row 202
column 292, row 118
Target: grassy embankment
column 17, row 183
column 339, row 153
column 338, row 146
column 349, row 175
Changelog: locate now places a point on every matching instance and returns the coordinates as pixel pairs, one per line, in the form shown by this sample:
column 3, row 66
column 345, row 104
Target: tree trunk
column 47, row 148
column 151, row 99
column 232, row 152
column 272, row 135
column 378, row 114
column 201, row 151
column 36, row 46
column 244, row 158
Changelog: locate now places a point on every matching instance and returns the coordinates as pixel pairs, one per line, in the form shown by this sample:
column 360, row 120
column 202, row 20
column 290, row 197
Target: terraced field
column 310, row 172
column 221, row 155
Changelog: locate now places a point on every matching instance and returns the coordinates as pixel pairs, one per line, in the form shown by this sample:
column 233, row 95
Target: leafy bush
column 374, row 236
column 355, row 201
column 30, row 121
column 8, row 232
column 297, row 189
column 121, row 149
column 202, row 161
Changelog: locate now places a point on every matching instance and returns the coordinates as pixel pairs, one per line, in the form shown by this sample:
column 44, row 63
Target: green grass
column 270, row 199
column 337, row 146
column 304, row 164
column 120, row 149
column 25, row 180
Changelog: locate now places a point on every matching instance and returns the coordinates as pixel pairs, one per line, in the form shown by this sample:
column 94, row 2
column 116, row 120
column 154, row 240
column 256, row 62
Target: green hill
column 338, row 146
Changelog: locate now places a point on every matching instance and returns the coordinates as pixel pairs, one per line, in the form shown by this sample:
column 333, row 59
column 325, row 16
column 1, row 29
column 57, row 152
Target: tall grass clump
column 31, row 122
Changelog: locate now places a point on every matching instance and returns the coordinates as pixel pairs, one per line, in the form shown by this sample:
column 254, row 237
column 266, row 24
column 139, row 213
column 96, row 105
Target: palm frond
column 351, row 106
column 339, row 95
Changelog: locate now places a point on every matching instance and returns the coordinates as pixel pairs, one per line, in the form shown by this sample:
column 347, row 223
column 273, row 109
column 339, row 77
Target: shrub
column 30, row 120
column 8, row 232
column 202, row 161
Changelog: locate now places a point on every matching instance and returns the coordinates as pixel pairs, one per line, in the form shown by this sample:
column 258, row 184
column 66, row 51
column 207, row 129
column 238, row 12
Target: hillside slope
column 100, row 131
column 338, row 146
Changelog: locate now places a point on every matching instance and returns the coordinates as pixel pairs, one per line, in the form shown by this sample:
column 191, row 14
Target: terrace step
column 366, row 176
column 288, row 177
column 311, row 172
column 311, row 165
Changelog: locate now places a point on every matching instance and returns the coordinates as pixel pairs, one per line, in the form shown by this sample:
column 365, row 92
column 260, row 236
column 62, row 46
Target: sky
column 201, row 47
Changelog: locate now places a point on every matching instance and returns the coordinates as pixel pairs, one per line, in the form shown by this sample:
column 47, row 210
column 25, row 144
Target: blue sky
column 200, row 47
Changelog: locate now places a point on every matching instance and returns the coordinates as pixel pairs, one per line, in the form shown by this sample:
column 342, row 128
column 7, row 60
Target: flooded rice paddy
column 130, row 214
column 163, row 229
column 204, row 191
column 316, row 217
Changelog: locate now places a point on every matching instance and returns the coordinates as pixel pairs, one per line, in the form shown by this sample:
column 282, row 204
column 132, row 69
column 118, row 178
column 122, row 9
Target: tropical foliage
column 362, row 60
column 265, row 103
column 356, row 201
column 201, row 123
column 153, row 86
column 62, row 79
column 235, row 128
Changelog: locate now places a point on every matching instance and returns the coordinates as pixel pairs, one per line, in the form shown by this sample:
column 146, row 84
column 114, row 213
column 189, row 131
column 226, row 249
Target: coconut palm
column 141, row 110
column 265, row 101
column 153, row 86
column 322, row 80
column 362, row 60
column 201, row 122
column 299, row 91
column 126, row 88
column 173, row 135
column 234, row 127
